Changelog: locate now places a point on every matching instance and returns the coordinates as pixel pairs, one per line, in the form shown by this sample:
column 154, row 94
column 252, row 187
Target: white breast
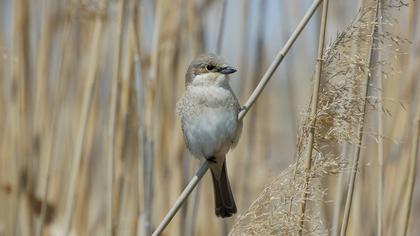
column 210, row 125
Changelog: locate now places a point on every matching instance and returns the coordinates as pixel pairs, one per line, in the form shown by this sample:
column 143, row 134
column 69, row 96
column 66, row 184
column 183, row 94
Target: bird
column 209, row 119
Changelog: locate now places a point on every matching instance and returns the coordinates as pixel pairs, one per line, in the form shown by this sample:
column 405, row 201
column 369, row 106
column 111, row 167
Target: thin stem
column 351, row 185
column 339, row 193
column 412, row 171
column 11, row 74
column 251, row 100
column 315, row 94
column 407, row 86
column 143, row 226
column 221, row 27
column 51, row 136
column 244, row 47
column 190, row 187
column 380, row 193
column 151, row 100
column 337, row 203
column 415, row 63
column 87, row 97
column 287, row 11
column 278, row 59
column 381, row 171
column 192, row 212
column 118, row 75
column 252, row 126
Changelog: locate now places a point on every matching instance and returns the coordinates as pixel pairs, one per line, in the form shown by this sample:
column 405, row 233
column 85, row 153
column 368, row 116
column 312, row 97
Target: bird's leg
column 211, row 159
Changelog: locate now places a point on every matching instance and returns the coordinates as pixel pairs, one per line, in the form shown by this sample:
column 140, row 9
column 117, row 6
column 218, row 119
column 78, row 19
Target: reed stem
column 314, row 104
column 354, row 168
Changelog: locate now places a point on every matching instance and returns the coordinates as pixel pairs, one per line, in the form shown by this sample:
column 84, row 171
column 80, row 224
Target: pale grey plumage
column 209, row 117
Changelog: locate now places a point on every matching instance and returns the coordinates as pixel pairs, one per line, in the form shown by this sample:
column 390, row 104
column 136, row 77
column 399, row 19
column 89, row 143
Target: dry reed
column 313, row 112
column 338, row 121
column 132, row 164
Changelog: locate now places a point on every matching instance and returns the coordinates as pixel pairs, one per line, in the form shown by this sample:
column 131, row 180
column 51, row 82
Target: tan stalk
column 405, row 88
column 115, row 138
column 41, row 71
column 191, row 215
column 338, row 202
column 135, row 33
column 150, row 103
column 193, row 26
column 314, row 103
column 244, row 52
column 51, row 136
column 87, row 97
column 221, row 27
column 253, row 118
column 244, row 75
column 287, row 11
column 278, row 59
column 339, row 193
column 402, row 127
column 355, row 164
column 12, row 75
column 412, row 172
column 412, row 163
column 381, row 170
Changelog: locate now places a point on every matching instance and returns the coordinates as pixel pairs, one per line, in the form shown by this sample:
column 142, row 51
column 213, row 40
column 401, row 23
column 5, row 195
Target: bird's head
column 208, row 70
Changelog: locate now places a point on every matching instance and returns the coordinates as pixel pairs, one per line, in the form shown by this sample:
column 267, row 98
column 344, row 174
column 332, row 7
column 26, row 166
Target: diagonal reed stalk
column 251, row 100
column 314, row 103
column 191, row 215
column 188, row 189
column 278, row 59
column 373, row 45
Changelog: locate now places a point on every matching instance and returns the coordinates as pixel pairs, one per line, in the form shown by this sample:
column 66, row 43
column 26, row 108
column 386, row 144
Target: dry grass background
column 88, row 125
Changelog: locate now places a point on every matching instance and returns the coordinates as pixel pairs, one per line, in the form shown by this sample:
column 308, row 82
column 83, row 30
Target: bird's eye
column 209, row 67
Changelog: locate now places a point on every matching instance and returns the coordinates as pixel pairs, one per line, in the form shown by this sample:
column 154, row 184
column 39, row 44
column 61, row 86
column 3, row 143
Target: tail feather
column 223, row 197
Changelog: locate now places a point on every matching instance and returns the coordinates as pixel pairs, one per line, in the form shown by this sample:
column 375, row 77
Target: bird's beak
column 227, row 70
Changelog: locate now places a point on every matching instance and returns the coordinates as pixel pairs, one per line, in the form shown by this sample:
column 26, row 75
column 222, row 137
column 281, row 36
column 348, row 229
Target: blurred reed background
column 90, row 142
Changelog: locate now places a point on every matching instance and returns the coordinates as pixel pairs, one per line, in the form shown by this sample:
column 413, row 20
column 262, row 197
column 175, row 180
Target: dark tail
column 224, row 202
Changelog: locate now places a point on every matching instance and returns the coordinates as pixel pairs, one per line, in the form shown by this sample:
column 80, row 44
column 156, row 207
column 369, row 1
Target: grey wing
column 184, row 134
column 180, row 111
column 179, row 107
column 239, row 127
column 237, row 134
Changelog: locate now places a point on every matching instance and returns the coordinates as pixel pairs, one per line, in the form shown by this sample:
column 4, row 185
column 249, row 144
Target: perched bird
column 209, row 118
